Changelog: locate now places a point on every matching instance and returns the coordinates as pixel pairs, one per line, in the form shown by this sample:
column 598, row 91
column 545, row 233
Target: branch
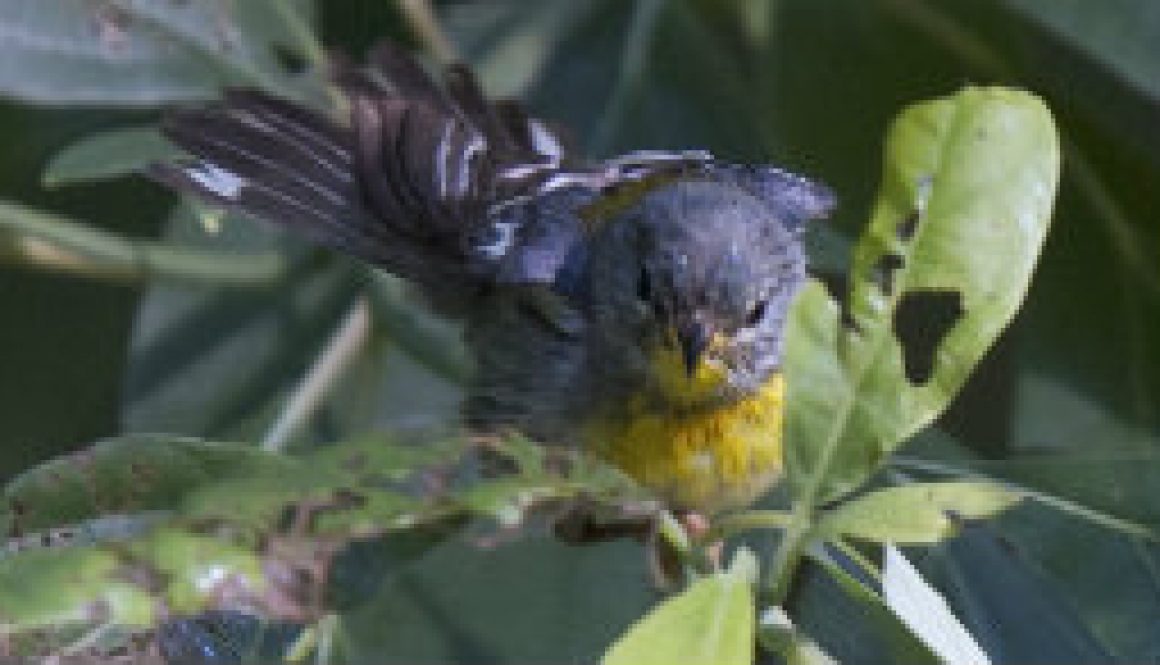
column 51, row 242
column 421, row 18
column 344, row 346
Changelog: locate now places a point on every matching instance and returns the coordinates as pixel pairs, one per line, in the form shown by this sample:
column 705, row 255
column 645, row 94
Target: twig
column 731, row 525
column 421, row 18
column 340, row 351
column 51, row 242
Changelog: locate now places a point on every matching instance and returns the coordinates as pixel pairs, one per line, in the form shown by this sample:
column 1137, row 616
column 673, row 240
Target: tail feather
column 409, row 183
column 405, row 76
column 277, row 162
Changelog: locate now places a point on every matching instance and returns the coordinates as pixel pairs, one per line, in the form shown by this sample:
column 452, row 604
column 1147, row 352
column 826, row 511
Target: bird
column 633, row 307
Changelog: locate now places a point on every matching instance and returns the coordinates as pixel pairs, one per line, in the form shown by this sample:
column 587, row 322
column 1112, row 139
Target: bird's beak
column 694, row 338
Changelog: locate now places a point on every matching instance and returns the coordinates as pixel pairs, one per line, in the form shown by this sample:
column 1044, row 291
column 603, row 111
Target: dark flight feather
column 437, row 185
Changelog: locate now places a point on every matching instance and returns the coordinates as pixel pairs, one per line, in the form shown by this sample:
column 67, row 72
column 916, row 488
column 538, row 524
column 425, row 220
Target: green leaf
column 195, row 568
column 47, row 240
column 71, row 586
column 107, row 155
column 168, row 571
column 1120, row 34
column 1120, row 483
column 358, row 488
column 915, row 514
column 848, row 618
column 127, row 475
column 143, row 53
column 959, row 223
column 215, row 362
column 1111, row 490
column 994, row 582
column 711, row 622
column 926, row 612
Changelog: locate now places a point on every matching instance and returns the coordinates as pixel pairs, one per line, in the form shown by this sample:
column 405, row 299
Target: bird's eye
column 757, row 313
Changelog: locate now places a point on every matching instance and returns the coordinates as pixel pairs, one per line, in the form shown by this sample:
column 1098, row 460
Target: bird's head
column 699, row 291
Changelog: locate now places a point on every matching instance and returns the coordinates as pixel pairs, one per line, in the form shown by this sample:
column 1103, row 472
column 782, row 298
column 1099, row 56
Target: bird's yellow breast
column 705, row 460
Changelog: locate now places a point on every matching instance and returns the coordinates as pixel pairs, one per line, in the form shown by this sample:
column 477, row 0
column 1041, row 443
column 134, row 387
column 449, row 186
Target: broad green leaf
column 1119, row 34
column 926, row 612
column 216, row 362
column 197, row 568
column 133, row 585
column 946, row 261
column 220, row 363
column 994, row 582
column 55, row 587
column 1110, row 489
column 620, row 75
column 521, row 598
column 127, row 475
column 848, row 618
column 123, row 53
column 107, row 155
column 358, row 488
column 711, row 622
column 914, row 514
column 1123, row 484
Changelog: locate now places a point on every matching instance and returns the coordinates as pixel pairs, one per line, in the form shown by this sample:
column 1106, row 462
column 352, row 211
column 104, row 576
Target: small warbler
column 632, row 306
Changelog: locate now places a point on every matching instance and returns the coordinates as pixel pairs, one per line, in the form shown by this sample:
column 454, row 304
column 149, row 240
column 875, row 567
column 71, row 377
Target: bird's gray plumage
column 564, row 271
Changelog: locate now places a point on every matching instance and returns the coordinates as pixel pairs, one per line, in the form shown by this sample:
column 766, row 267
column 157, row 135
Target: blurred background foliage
column 808, row 85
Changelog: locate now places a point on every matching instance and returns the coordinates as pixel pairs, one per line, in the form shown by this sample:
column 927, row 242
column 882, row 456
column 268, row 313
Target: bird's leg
column 697, row 526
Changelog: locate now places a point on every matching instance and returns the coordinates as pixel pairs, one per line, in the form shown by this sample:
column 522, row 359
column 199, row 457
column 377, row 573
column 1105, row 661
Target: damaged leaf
column 968, row 186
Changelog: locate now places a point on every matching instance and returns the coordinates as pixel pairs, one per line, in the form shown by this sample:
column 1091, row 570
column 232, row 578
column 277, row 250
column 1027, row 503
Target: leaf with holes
column 128, row 475
column 942, row 268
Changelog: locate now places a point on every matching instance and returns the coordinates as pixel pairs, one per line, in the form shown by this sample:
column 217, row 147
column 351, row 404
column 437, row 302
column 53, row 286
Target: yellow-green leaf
column 938, row 274
column 710, row 623
column 920, row 513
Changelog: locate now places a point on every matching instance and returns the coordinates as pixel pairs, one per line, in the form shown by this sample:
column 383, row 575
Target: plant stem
column 421, row 18
column 858, row 558
column 51, row 242
column 348, row 340
column 789, row 553
column 731, row 525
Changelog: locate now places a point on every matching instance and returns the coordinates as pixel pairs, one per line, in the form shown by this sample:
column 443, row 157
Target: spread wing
column 406, row 182
column 439, row 185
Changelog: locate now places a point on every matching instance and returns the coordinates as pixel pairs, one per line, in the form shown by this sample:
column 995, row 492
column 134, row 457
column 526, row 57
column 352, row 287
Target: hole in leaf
column 882, row 274
column 838, row 285
column 922, row 320
column 908, row 226
column 290, row 60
